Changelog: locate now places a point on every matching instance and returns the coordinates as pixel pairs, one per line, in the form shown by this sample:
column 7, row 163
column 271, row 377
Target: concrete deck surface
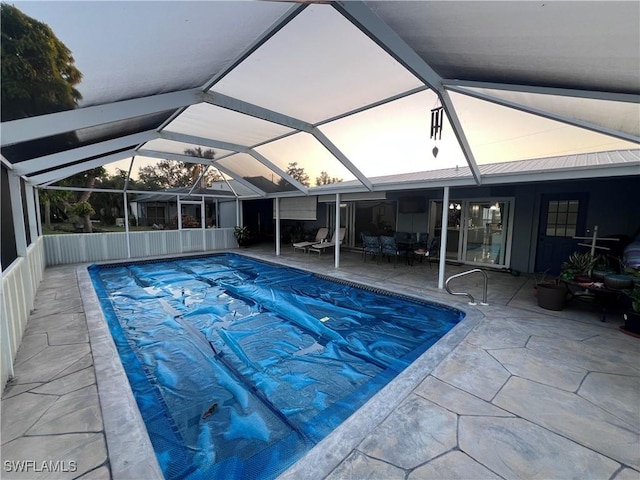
column 516, row 392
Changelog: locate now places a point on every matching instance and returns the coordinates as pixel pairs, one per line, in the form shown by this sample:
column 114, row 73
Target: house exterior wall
column 613, row 206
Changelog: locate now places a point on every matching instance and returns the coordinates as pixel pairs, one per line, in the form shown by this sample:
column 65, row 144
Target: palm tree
column 197, row 168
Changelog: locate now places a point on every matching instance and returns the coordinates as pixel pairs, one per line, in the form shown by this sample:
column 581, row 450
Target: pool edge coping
column 324, row 457
column 129, row 448
column 131, row 454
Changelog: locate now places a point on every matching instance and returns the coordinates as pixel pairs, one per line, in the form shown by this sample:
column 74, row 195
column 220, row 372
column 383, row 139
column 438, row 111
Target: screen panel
column 244, row 166
column 316, row 67
column 217, row 123
column 306, row 159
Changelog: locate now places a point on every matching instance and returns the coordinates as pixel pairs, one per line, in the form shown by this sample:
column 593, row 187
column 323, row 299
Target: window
column 155, row 215
column 562, row 218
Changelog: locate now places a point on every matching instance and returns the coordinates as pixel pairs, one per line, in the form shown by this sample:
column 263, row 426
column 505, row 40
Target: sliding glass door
column 478, row 230
column 485, row 226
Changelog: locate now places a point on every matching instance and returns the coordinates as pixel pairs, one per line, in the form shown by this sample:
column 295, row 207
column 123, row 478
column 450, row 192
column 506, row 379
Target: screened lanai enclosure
column 373, row 96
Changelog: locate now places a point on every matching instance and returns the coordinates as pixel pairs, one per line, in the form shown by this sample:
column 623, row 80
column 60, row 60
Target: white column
column 31, row 212
column 337, row 232
column 179, row 212
column 238, row 220
column 202, row 220
column 126, row 224
column 179, row 207
column 19, row 231
column 36, row 194
column 18, row 214
column 443, row 237
column 277, row 226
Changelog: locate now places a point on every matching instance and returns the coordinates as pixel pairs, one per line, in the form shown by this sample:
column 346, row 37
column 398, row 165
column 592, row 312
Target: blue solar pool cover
column 239, row 367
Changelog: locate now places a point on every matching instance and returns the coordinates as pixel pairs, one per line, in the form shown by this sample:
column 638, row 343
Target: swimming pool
column 239, row 366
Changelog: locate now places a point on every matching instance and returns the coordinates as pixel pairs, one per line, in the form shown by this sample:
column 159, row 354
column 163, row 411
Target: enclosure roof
column 343, row 90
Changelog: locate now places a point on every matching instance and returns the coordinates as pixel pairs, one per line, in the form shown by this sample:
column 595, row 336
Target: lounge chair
column 321, row 247
column 321, row 235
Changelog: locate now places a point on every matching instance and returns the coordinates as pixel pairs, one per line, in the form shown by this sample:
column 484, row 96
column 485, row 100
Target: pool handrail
column 484, row 288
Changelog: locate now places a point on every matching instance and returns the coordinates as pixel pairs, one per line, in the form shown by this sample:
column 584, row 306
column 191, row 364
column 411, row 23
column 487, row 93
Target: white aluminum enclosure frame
column 391, row 35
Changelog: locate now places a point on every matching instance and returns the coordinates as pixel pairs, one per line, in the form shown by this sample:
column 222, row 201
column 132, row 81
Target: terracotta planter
column 551, row 296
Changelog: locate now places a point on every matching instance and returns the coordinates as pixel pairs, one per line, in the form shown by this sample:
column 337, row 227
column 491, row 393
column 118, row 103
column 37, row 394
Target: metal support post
column 337, row 232
column 277, row 200
column 443, row 237
column 126, row 224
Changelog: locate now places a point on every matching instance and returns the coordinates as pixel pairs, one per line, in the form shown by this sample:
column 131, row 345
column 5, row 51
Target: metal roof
column 344, row 88
column 599, row 164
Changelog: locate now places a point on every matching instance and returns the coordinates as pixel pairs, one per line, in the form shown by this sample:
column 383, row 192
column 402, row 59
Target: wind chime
column 437, row 114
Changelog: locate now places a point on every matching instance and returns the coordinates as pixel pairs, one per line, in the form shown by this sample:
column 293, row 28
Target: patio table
column 594, row 293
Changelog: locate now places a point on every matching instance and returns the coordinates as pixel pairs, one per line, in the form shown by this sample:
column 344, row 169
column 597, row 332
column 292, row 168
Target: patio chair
column 321, row 247
column 432, row 251
column 389, row 247
column 370, row 245
column 320, row 236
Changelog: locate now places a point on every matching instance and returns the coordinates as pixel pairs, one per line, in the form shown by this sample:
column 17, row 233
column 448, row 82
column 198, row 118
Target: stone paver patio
column 51, row 409
column 514, row 391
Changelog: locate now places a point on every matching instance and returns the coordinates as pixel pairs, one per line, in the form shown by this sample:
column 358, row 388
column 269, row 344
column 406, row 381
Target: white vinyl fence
column 98, row 247
column 19, row 285
column 21, row 279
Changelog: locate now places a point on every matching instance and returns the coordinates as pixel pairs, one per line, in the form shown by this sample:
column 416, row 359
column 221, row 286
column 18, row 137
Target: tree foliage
column 38, row 71
column 110, row 205
column 49, row 198
column 298, row 173
column 82, row 209
column 172, row 174
column 165, row 174
column 86, row 179
column 38, row 78
column 325, row 179
column 198, row 152
column 211, row 175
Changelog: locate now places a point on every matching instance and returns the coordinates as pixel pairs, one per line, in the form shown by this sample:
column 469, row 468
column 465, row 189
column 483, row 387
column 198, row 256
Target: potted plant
column 578, row 267
column 632, row 317
column 542, row 278
column 552, row 296
column 243, row 236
